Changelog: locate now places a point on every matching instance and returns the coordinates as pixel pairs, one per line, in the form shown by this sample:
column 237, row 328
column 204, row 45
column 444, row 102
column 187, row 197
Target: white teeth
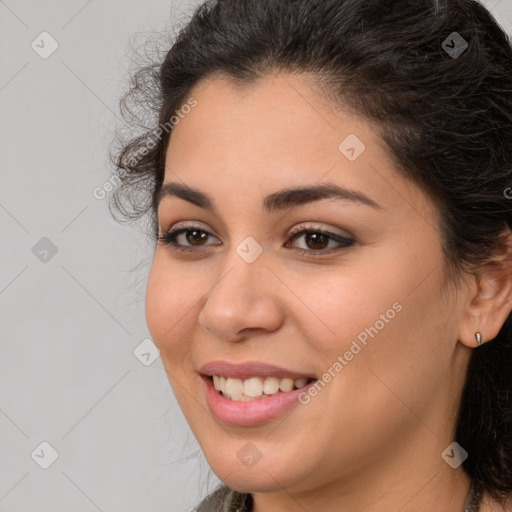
column 300, row 382
column 271, row 385
column 255, row 388
column 286, row 385
column 234, row 388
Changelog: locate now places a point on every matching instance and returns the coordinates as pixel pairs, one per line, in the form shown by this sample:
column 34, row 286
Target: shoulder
column 222, row 499
column 215, row 501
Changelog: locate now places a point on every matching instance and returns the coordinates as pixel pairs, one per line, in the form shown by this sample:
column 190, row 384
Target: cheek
column 167, row 304
column 387, row 315
column 346, row 303
column 392, row 343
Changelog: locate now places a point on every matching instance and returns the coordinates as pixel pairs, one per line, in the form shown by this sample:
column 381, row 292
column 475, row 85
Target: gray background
column 70, row 321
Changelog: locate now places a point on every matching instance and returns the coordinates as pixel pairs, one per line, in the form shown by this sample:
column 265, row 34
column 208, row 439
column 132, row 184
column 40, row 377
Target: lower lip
column 250, row 412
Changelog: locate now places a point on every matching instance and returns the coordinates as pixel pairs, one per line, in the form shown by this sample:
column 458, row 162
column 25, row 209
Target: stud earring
column 478, row 338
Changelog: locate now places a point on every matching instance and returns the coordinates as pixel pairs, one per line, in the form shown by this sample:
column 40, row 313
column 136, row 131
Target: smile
column 255, row 388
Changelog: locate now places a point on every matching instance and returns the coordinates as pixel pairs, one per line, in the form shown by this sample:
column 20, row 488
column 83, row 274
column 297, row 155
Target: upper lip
column 250, row 369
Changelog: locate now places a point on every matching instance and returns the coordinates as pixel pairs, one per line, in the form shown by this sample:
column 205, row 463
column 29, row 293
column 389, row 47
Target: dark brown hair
column 445, row 118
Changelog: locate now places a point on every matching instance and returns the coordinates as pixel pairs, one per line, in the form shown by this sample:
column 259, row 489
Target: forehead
column 275, row 133
column 261, row 116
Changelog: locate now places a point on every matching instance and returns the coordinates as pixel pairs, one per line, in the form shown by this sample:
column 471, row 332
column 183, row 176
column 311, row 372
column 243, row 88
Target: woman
column 331, row 289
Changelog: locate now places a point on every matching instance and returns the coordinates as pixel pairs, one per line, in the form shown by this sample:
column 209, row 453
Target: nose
column 244, row 298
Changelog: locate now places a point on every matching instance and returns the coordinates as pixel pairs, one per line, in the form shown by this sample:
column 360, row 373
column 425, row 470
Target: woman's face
column 370, row 317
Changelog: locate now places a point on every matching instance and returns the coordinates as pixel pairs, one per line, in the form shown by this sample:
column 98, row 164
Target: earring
column 478, row 338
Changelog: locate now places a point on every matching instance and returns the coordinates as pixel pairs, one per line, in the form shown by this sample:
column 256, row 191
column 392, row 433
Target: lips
column 235, row 410
column 249, row 413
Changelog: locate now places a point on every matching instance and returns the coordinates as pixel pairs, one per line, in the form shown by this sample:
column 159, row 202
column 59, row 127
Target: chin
column 265, row 475
column 252, row 481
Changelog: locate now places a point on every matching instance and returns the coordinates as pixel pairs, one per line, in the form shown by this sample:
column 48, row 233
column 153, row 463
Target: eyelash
column 169, row 239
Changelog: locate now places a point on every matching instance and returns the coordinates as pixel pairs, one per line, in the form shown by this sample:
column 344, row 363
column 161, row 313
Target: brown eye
column 194, row 237
column 317, row 240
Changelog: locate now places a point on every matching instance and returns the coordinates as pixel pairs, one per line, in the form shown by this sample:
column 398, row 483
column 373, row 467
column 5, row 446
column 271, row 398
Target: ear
column 490, row 300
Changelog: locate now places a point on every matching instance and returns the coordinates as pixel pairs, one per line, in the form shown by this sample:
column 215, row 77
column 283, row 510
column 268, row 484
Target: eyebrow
column 280, row 200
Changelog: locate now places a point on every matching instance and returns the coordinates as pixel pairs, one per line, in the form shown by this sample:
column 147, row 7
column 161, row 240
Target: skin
column 372, row 439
